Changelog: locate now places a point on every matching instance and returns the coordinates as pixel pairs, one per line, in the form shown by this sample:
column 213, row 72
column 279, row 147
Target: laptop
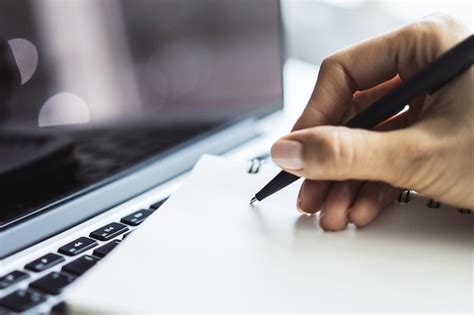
column 103, row 106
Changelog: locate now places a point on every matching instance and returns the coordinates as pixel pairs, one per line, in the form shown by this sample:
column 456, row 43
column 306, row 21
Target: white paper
column 207, row 250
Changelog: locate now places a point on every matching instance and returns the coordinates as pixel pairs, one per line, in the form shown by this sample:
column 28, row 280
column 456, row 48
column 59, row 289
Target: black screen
column 104, row 75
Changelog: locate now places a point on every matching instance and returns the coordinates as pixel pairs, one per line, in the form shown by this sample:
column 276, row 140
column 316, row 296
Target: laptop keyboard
column 109, row 231
column 53, row 283
column 22, row 300
column 102, row 241
column 81, row 265
column 77, row 247
column 45, row 262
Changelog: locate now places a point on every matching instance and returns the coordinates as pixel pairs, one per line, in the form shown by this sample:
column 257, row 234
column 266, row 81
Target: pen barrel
column 450, row 64
column 275, row 185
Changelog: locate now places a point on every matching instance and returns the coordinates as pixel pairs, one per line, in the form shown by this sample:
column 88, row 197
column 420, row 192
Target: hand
column 352, row 174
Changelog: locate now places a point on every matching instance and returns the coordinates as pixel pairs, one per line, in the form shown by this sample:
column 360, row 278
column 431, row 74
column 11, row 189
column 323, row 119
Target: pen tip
column 254, row 199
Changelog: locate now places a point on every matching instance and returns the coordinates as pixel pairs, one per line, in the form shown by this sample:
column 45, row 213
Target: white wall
column 315, row 28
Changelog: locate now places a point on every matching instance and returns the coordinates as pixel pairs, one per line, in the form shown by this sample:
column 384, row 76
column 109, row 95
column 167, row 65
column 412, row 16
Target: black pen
column 428, row 80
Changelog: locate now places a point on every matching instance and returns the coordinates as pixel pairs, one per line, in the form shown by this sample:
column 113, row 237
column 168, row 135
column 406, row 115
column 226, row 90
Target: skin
column 352, row 174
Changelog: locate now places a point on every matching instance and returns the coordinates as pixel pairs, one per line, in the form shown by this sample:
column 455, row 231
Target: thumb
column 340, row 153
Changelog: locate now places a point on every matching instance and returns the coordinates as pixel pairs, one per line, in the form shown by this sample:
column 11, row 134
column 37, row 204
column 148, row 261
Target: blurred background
column 316, row 28
column 84, row 61
column 100, row 61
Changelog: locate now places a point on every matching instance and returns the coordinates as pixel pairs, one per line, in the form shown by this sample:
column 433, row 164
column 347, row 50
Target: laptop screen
column 87, row 75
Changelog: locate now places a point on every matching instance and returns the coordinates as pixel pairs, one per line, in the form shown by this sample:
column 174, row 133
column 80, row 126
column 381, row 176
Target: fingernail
column 288, row 154
column 300, row 210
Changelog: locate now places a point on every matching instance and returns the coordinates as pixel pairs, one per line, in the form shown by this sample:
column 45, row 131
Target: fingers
column 341, row 196
column 363, row 66
column 334, row 199
column 352, row 202
column 340, row 153
column 312, row 196
column 373, row 197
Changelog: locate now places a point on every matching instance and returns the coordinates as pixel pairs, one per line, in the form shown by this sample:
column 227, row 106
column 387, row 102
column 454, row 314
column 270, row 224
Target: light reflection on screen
column 168, row 59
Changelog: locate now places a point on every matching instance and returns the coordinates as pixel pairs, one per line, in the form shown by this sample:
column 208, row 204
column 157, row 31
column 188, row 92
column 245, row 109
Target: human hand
column 352, row 174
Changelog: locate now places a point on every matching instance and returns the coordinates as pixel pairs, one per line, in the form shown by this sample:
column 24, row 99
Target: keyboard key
column 137, row 217
column 58, row 309
column 53, row 283
column 22, row 300
column 158, row 204
column 107, row 248
column 109, row 231
column 80, row 245
column 45, row 262
column 13, row 277
column 80, row 265
column 126, row 234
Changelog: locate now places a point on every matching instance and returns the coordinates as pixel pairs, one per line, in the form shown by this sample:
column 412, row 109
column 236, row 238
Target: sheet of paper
column 207, row 250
